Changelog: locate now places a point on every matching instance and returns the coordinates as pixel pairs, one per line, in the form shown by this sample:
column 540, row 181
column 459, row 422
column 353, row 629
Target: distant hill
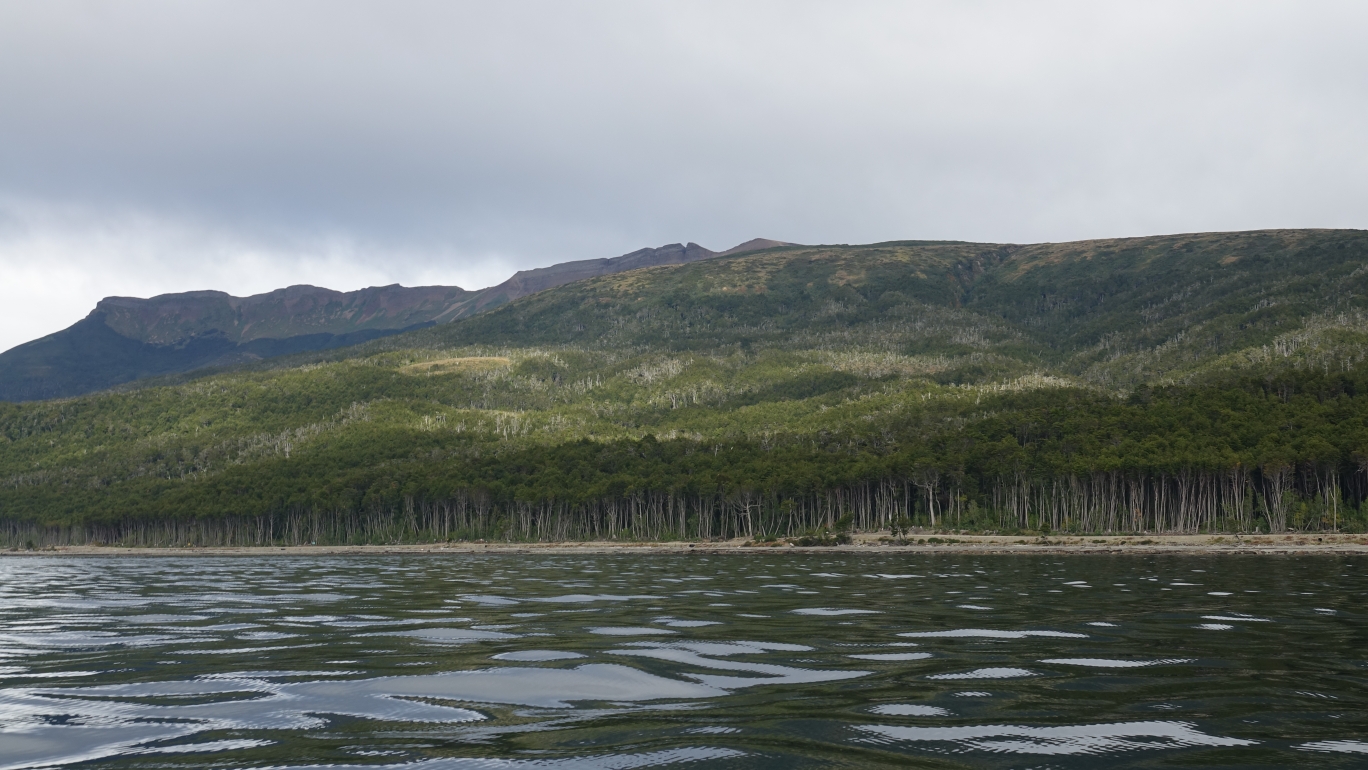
column 126, row 339
column 1208, row 382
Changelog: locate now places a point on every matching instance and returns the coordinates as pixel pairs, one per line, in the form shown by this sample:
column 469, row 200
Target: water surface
column 644, row 660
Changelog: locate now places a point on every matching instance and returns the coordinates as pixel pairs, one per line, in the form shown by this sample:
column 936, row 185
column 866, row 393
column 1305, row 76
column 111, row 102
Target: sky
column 161, row 146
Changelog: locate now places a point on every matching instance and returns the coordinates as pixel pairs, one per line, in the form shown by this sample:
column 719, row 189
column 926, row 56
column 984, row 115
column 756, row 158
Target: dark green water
column 732, row 661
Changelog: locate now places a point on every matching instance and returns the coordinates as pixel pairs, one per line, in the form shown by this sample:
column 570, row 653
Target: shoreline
column 870, row 543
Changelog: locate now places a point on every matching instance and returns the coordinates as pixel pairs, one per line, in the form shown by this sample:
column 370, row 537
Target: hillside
column 126, row 338
column 1115, row 313
column 1176, row 383
column 525, row 282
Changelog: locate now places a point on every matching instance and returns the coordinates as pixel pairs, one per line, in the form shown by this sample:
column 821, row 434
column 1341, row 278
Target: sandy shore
column 873, row 543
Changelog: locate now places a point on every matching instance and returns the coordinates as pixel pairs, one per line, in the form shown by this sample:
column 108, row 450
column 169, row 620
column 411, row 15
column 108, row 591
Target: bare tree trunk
column 1277, row 479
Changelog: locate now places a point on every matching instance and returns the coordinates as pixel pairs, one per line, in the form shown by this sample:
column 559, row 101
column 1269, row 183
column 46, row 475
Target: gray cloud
column 162, row 146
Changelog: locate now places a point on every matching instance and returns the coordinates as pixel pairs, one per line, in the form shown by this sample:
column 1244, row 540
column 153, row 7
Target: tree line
column 1261, row 453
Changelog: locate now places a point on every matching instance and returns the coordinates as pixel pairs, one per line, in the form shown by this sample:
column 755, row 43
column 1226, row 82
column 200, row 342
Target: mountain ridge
column 290, row 311
column 184, row 331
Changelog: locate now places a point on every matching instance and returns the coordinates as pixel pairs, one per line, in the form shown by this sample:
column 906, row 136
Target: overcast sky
column 150, row 147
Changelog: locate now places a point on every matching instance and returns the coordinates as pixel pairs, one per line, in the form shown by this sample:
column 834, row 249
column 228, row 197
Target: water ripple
column 1069, row 739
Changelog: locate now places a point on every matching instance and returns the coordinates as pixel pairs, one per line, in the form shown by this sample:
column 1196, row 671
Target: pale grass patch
column 450, row 365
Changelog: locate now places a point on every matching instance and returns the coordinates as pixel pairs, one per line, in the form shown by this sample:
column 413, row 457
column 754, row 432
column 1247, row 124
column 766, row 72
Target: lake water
column 751, row 660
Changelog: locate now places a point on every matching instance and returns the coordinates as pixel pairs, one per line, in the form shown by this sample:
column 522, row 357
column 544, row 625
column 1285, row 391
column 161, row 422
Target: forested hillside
column 1177, row 383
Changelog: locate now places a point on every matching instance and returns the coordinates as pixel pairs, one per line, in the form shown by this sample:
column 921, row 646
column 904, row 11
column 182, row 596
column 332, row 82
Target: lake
column 752, row 660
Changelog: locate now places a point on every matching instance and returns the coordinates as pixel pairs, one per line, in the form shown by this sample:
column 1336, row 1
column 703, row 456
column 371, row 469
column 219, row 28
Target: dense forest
column 1205, row 383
